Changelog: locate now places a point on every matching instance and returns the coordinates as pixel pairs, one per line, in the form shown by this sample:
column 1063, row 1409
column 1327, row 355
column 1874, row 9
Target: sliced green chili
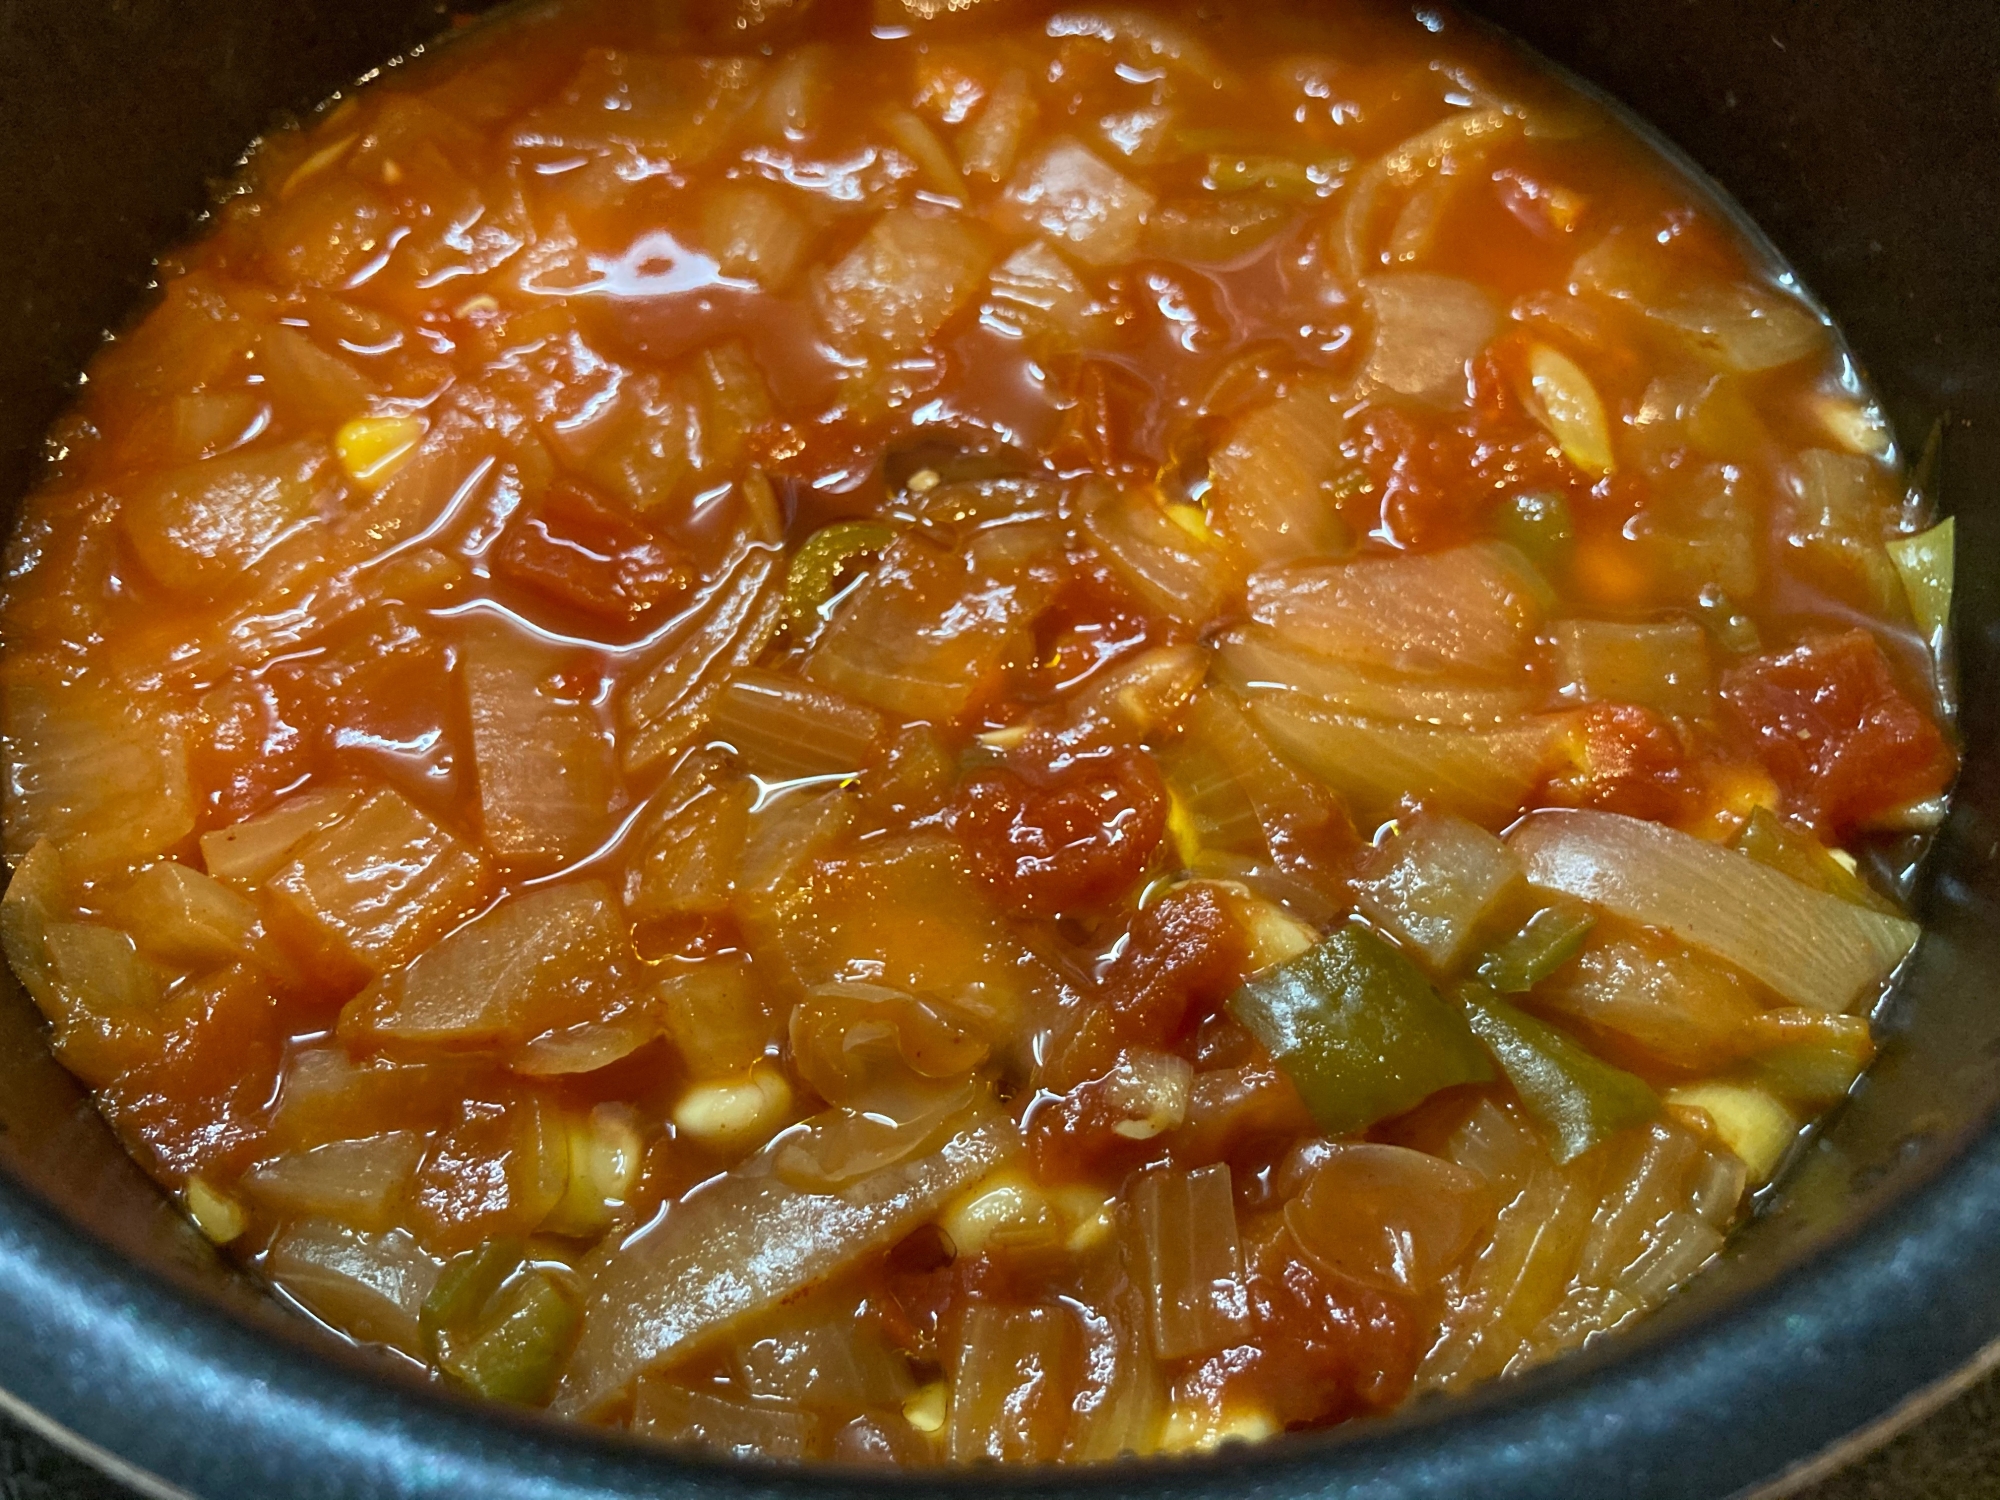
column 816, row 565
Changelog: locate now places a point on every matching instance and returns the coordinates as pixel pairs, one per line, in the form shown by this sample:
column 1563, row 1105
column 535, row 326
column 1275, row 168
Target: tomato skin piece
column 1067, row 843
column 1842, row 741
column 1632, row 763
column 584, row 552
column 1184, row 957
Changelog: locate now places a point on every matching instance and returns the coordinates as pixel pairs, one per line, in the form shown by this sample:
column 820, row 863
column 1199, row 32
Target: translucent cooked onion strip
column 1462, row 138
column 667, row 705
column 749, row 1241
column 1811, row 948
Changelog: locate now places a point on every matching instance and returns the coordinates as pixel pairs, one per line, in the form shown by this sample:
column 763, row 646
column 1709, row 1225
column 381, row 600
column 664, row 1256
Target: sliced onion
column 1389, row 1217
column 1375, row 766
column 1082, row 204
column 748, row 1241
column 357, row 1183
column 1273, row 478
column 865, row 1044
column 1190, row 1260
column 845, row 1146
column 1251, row 657
column 1469, row 610
column 1434, row 883
column 1426, row 328
column 667, row 705
column 784, row 728
column 1174, row 571
column 1810, row 948
column 1011, row 1400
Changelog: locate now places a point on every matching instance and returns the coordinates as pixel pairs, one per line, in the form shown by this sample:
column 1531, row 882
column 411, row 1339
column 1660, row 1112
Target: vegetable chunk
column 1360, row 1030
column 749, row 1241
column 377, row 887
column 543, row 759
column 544, row 962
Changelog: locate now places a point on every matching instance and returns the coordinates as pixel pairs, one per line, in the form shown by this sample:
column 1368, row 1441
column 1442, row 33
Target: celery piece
column 1547, row 940
column 518, row 1350
column 1924, row 562
column 1538, row 523
column 1359, row 1030
column 1582, row 1099
column 816, row 565
column 1786, row 847
column 464, row 1288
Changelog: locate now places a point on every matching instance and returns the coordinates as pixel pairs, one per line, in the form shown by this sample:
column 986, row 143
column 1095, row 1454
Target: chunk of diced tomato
column 1184, row 956
column 1323, row 1348
column 1630, row 760
column 1842, row 740
column 584, row 552
column 1064, row 843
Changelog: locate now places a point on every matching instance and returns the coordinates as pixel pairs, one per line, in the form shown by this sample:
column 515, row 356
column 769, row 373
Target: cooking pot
column 1863, row 137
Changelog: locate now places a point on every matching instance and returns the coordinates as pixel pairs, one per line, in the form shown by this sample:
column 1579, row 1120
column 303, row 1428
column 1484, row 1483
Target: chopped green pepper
column 1784, row 846
column 464, row 1287
column 1582, row 1099
column 519, row 1346
column 817, row 564
column 1359, row 1030
column 1547, row 940
column 498, row 1324
column 1538, row 523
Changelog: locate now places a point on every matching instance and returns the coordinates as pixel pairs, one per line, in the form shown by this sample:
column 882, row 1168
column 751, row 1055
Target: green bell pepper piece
column 1583, row 1099
column 1359, row 1030
column 464, row 1287
column 1784, row 846
column 518, row 1350
column 1547, row 940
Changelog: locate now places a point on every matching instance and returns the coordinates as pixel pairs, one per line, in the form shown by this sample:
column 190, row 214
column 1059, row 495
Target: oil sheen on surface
column 967, row 732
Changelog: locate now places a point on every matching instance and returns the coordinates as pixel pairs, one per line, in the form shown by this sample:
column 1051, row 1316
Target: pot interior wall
column 1860, row 136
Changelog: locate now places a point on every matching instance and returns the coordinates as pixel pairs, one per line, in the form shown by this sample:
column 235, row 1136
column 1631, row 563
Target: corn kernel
column 1007, row 1207
column 1748, row 1121
column 1193, row 520
column 735, row 1111
column 605, row 1155
column 927, row 1409
column 1198, row 1429
column 215, row 1214
column 373, row 448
